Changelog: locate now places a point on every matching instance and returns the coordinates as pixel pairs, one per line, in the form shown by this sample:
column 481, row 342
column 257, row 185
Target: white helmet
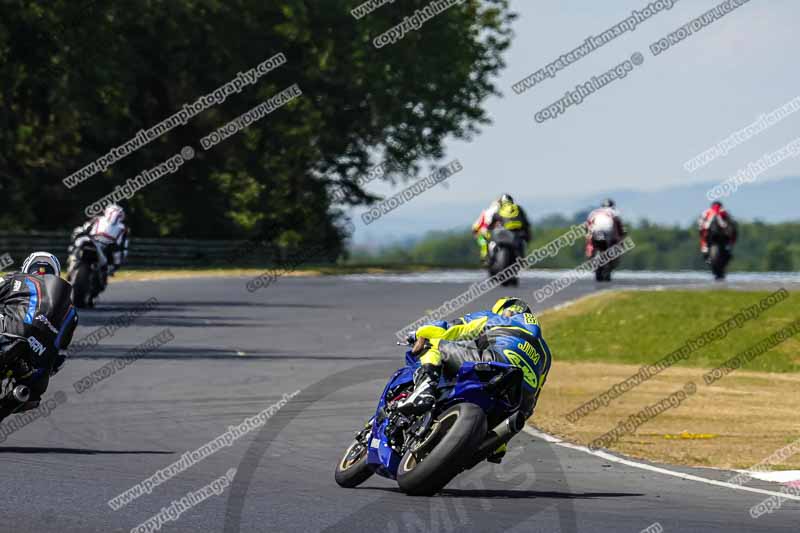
column 41, row 263
column 114, row 214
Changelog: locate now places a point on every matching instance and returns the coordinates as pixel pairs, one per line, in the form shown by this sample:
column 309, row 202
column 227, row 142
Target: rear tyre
column 452, row 441
column 81, row 285
column 603, row 273
column 717, row 259
column 502, row 259
column 352, row 469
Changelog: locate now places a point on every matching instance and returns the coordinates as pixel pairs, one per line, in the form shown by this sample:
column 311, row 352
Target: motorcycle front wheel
column 352, row 469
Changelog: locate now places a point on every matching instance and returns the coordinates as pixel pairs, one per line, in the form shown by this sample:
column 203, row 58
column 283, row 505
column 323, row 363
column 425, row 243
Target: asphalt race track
column 235, row 354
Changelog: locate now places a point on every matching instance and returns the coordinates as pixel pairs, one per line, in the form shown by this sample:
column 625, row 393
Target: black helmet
column 608, row 202
column 716, row 203
column 505, row 199
column 513, row 306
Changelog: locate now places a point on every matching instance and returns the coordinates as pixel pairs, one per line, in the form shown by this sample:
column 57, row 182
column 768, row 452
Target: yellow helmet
column 510, row 306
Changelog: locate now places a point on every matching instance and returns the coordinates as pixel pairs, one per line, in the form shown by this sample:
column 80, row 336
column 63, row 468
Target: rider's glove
column 421, row 345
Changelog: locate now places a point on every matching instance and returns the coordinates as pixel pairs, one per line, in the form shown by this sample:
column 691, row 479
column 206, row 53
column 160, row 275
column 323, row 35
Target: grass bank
column 637, row 327
column 735, row 422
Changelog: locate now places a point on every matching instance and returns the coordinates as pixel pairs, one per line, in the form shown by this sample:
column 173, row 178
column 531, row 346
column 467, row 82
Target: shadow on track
column 185, row 321
column 80, row 451
column 187, row 352
column 510, row 494
column 103, row 308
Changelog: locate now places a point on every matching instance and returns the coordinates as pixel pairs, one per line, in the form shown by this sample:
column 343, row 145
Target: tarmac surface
column 328, row 342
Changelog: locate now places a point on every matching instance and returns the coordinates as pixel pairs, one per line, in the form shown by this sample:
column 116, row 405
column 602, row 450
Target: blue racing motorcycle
column 425, row 452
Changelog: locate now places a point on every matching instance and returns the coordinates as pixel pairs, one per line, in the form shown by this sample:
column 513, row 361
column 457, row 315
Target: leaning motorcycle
column 602, row 240
column 84, row 271
column 504, row 248
column 424, row 452
column 14, row 397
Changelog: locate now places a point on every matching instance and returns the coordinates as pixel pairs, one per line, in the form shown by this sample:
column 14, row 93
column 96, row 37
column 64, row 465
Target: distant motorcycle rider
column 37, row 320
column 605, row 218
column 512, row 217
column 502, row 213
column 508, row 333
column 110, row 234
column 716, row 224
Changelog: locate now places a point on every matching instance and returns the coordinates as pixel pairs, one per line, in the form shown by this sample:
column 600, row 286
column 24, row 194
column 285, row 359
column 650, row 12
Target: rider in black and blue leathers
column 37, row 321
column 509, row 333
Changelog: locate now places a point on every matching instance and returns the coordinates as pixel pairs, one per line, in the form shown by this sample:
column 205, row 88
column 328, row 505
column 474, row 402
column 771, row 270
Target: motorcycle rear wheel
column 503, row 258
column 718, row 260
column 82, row 285
column 453, row 438
column 603, row 273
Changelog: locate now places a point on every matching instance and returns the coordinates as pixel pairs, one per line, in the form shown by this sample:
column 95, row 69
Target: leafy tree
column 779, row 259
column 80, row 78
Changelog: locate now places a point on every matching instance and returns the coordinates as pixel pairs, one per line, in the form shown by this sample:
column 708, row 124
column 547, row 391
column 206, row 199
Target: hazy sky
column 637, row 132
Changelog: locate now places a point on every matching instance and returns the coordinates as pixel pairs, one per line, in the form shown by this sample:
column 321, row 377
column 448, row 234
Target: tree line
column 760, row 247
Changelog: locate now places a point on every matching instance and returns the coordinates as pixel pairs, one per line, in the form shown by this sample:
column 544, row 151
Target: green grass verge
column 641, row 327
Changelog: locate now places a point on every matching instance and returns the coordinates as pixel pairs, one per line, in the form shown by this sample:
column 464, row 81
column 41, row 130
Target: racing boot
column 422, row 399
column 705, row 252
column 483, row 246
column 496, row 456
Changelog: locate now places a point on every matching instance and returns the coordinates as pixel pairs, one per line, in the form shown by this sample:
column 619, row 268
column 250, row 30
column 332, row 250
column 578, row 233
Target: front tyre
column 451, row 442
column 352, row 469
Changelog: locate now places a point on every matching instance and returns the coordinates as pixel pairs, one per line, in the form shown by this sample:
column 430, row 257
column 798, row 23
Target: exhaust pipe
column 500, row 434
column 21, row 393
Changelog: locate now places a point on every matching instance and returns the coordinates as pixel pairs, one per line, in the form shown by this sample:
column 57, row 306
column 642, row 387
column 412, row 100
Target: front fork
column 363, row 434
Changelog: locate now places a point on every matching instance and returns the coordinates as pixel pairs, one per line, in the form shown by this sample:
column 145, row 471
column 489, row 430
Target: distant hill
column 771, row 201
column 760, row 248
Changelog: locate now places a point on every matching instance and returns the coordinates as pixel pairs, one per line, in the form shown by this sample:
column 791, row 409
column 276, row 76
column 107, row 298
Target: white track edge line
column 613, row 458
